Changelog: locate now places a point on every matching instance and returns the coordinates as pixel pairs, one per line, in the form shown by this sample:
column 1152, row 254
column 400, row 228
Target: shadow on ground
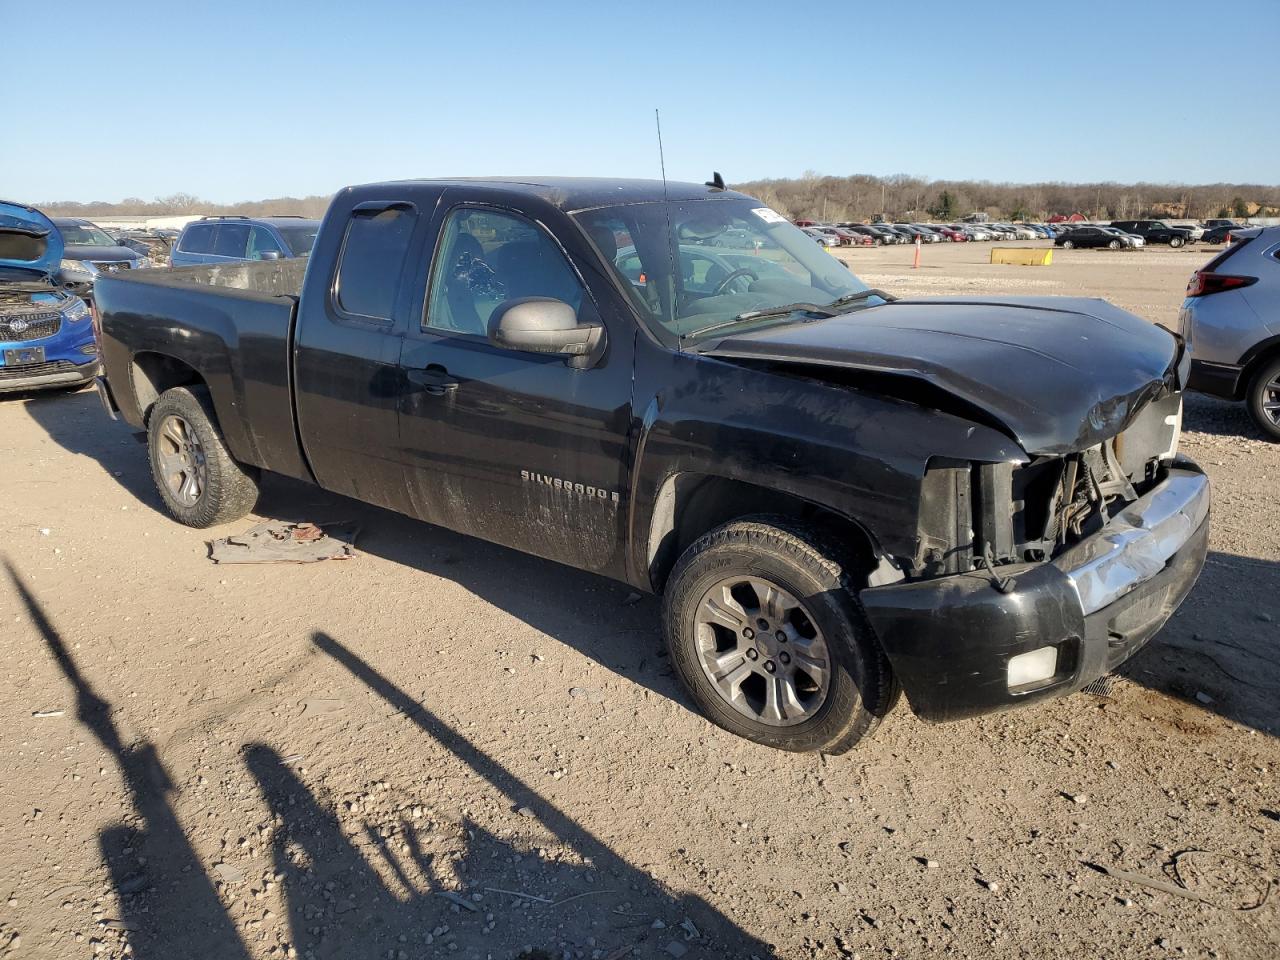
column 602, row 619
column 1221, row 418
column 1221, row 650
column 402, row 889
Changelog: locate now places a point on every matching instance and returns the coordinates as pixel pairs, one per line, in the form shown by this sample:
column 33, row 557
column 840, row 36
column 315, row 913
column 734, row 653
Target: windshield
column 731, row 257
column 300, row 239
column 85, row 233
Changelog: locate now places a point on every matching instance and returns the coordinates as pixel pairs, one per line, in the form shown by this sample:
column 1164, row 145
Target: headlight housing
column 76, row 312
column 142, row 263
column 78, row 270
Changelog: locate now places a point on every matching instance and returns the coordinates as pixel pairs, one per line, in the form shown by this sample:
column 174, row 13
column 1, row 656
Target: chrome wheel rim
column 1271, row 400
column 183, row 466
column 762, row 651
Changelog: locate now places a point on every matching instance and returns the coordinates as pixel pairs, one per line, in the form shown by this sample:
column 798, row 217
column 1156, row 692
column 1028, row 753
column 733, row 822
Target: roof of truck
column 581, row 193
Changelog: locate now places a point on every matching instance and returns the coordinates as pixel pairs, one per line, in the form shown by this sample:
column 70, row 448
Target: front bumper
column 950, row 640
column 47, row 375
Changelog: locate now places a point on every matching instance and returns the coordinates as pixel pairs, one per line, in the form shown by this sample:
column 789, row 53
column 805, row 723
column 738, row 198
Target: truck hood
column 30, row 245
column 1058, row 374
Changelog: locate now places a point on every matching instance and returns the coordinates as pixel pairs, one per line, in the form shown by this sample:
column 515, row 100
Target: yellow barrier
column 1022, row 256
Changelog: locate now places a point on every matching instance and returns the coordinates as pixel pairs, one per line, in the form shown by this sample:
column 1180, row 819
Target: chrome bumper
column 1137, row 543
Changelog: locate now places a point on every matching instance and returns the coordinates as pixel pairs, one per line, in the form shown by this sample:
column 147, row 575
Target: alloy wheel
column 762, row 651
column 183, row 465
column 1271, row 400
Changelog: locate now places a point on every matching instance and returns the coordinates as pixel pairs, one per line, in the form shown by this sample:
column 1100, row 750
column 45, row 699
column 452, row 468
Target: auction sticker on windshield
column 769, row 216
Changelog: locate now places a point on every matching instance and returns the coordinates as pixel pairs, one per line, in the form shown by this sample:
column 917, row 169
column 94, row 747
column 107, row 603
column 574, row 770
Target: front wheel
column 1068, row 244
column 1264, row 399
column 198, row 480
column 767, row 636
column 1114, row 244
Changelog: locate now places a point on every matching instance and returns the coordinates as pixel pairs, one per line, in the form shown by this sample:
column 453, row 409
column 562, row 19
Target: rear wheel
column 769, row 639
column 1263, row 399
column 1068, row 244
column 1176, row 241
column 198, row 480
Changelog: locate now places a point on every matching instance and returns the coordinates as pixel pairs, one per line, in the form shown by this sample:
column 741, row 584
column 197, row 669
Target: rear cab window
column 374, row 247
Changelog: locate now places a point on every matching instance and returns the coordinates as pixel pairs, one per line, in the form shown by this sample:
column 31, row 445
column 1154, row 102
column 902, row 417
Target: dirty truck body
column 979, row 501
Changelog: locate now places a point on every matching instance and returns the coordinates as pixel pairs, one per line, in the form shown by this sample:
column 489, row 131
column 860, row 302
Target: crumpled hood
column 30, row 245
column 1058, row 373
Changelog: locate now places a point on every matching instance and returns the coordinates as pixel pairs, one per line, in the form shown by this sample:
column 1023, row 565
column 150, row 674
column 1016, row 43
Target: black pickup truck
column 839, row 494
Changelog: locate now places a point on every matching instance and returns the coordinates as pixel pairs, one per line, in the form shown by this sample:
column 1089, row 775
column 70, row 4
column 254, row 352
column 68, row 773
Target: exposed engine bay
column 977, row 516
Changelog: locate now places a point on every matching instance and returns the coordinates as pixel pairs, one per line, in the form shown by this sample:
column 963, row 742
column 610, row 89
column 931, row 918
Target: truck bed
column 232, row 324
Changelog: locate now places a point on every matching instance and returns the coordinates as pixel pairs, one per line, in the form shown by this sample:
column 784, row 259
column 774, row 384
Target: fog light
column 1034, row 666
column 89, row 349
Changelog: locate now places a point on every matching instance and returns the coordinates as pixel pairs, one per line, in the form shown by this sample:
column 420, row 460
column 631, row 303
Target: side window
column 486, row 257
column 262, row 241
column 231, row 240
column 373, row 253
column 198, row 238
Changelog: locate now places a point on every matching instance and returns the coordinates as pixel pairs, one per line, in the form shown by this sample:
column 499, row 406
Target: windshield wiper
column 860, row 296
column 822, row 309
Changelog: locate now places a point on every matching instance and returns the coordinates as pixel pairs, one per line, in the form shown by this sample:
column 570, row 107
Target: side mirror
column 268, row 254
column 543, row 325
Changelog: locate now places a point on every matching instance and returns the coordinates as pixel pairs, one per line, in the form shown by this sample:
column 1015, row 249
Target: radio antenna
column 671, row 242
column 662, row 160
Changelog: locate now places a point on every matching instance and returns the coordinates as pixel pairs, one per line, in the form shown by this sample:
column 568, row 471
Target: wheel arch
column 152, row 373
column 689, row 505
column 1257, row 357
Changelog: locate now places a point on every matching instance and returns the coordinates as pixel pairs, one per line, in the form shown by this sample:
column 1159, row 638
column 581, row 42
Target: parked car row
column 849, row 234
column 1117, row 234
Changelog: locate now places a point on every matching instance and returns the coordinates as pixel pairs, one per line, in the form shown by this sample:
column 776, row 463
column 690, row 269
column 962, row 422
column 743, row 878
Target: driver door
column 516, row 448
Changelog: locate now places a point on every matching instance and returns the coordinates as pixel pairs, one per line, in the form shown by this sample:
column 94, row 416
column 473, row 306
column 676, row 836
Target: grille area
column 23, row 370
column 112, row 266
column 16, row 328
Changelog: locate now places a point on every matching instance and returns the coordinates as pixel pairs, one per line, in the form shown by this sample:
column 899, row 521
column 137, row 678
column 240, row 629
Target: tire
column 184, row 442
column 1264, row 389
column 1068, row 244
column 1114, row 244
column 1176, row 242
column 828, row 711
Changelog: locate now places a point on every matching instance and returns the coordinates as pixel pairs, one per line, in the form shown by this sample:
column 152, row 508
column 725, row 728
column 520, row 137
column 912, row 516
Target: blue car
column 46, row 333
column 230, row 239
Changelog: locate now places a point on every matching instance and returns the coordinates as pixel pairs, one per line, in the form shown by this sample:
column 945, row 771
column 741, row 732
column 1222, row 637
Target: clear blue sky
column 246, row 100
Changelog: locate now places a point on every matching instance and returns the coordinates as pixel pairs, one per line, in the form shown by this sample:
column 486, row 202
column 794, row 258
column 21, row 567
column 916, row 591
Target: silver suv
column 1231, row 322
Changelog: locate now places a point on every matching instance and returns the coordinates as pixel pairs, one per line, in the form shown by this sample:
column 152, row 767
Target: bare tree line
column 861, row 197
column 857, row 197
column 185, row 203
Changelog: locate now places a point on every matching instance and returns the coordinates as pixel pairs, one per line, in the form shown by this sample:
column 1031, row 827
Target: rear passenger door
column 347, row 356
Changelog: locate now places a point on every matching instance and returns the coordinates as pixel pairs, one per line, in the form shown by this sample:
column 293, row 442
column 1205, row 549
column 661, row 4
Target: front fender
column 855, row 454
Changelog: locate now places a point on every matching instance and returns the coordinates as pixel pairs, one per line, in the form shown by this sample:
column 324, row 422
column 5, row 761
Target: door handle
column 434, row 380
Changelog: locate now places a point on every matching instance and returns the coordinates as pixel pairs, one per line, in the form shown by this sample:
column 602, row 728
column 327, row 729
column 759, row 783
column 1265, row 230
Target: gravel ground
column 445, row 749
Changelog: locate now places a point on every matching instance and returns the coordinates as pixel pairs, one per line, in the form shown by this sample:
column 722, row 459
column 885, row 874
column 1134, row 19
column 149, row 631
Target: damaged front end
column 983, row 515
column 1039, row 577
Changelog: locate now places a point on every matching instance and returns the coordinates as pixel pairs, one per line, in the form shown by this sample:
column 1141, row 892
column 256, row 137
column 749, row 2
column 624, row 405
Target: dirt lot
column 446, row 749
